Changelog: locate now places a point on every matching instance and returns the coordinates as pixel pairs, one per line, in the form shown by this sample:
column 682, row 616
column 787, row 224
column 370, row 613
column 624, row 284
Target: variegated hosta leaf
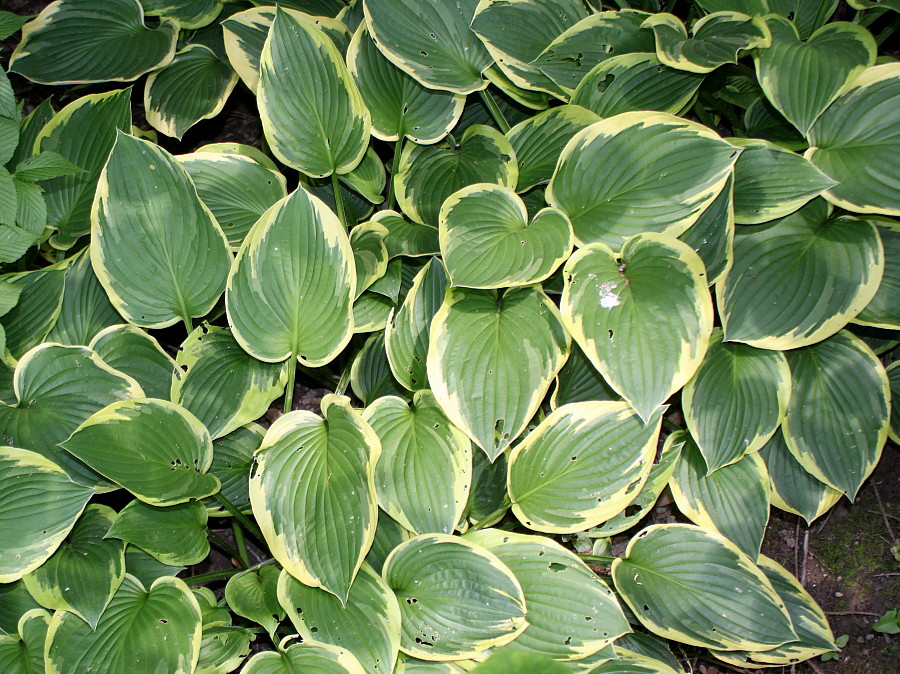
column 856, row 142
column 579, row 381
column 83, row 132
column 85, row 309
column 538, row 141
column 174, row 535
column 371, row 311
column 232, row 462
column 695, row 586
column 189, row 14
column 771, row 182
column 73, row 41
column 630, row 82
column 643, row 317
column 370, row 373
column 802, row 78
column 85, row 571
column 367, row 624
column 32, row 526
column 254, row 595
column 716, row 39
column 517, row 33
column 893, row 373
column 779, row 292
column 734, row 500
column 491, row 358
column 409, row 665
column 368, row 178
column 883, row 310
column 762, row 120
column 146, row 568
column 320, row 533
column 628, row 662
column 184, row 260
column 423, row 475
column 291, row 287
column 488, row 240
column 712, row 236
column 303, row 79
column 237, row 189
column 571, row 612
column 23, row 651
column 388, row 535
column 735, row 401
column 581, row 466
column 57, row 388
column 410, row 239
column 457, row 599
column 488, row 497
column 533, row 100
column 401, row 107
column 141, row 631
column 431, row 42
column 211, row 614
column 430, row 174
column 172, row 447
column 133, row 352
column 309, row 656
column 224, row 386
column 16, row 602
column 660, row 472
column 34, row 314
column 194, row 87
column 837, row 421
column 370, row 255
column 814, row 636
column 639, row 172
column 223, row 649
column 647, row 645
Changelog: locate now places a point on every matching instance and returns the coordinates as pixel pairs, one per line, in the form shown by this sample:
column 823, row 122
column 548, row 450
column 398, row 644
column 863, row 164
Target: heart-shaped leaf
column 581, row 466
column 223, row 649
column 172, row 447
column 481, row 337
column 185, row 260
column 254, row 595
column 310, row 656
column 321, row 533
column 133, row 352
column 410, row 239
column 23, row 651
column 174, row 535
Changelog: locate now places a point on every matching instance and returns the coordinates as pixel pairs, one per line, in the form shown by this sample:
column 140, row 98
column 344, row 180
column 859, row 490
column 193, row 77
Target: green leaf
column 146, row 568
column 388, row 535
column 423, row 475
column 370, row 255
column 171, row 446
column 401, row 107
column 85, row 571
column 883, row 310
column 86, row 309
column 24, row 652
column 406, row 335
column 15, row 603
column 28, row 323
column 185, row 260
column 174, row 535
column 29, row 129
column 430, row 174
column 630, row 82
column 611, row 306
column 45, row 166
column 254, row 595
column 581, row 466
column 837, row 421
column 57, row 388
column 488, row 497
column 368, row 178
column 236, row 189
column 370, row 373
column 309, row 656
column 232, row 462
column 762, row 120
column 433, row 43
column 893, row 373
column 193, row 87
column 367, row 624
column 578, row 381
column 491, row 359
column 571, row 612
column 733, row 501
column 814, row 636
column 856, row 141
column 634, row 663
column 10, row 23
column 303, row 77
column 223, row 386
column 771, row 182
column 692, row 585
column 321, row 533
column 456, row 598
column 75, row 42
column 735, row 401
column 32, row 526
column 777, row 294
column 83, row 132
column 291, row 287
column 407, row 238
column 189, row 14
column 888, row 623
column 712, row 236
column 791, row 487
column 639, row 172
column 133, row 352
column 211, row 614
column 488, row 241
column 506, row 661
column 223, row 649
column 802, row 78
column 142, row 630
column 371, row 311
column 716, row 39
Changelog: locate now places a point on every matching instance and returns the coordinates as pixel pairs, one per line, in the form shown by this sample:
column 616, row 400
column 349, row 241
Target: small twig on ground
column 805, row 556
column 814, row 667
column 887, row 522
column 863, row 613
column 881, row 575
column 797, row 547
column 825, row 521
column 875, row 512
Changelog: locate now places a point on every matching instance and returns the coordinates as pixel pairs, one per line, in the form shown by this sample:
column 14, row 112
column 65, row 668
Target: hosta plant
column 549, row 258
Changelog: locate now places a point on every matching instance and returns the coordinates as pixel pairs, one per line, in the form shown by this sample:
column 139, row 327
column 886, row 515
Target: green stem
column 871, row 16
column 240, row 517
column 204, row 578
column 338, row 199
column 671, row 425
column 188, row 323
column 289, row 388
column 494, row 109
column 395, row 169
column 238, row 532
column 222, row 543
column 345, row 378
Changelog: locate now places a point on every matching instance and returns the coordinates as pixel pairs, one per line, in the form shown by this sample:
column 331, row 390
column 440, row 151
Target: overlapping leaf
column 133, row 352
column 174, row 535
